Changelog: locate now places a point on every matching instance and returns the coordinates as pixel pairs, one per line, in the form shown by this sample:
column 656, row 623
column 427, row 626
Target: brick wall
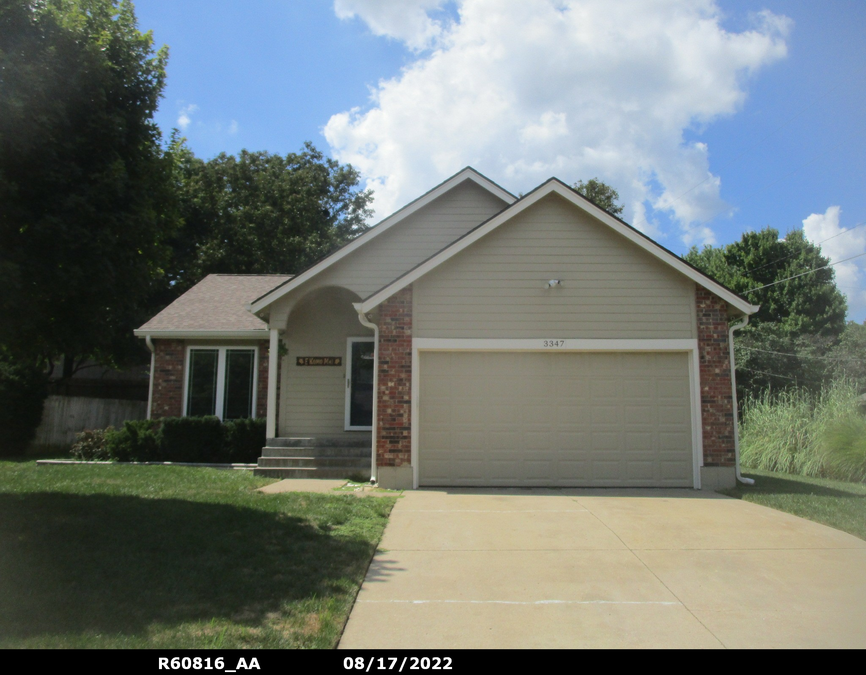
column 167, row 379
column 262, row 390
column 393, row 426
column 717, row 412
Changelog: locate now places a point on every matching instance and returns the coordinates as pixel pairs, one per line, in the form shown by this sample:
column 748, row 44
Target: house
column 495, row 341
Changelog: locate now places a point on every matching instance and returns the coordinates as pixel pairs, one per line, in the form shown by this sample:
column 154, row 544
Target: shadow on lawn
column 116, row 564
column 780, row 485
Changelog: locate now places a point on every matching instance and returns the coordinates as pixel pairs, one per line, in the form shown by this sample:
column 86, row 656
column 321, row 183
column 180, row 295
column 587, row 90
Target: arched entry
column 320, row 395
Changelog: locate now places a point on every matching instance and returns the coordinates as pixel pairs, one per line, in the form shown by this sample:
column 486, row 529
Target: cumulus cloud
column 850, row 277
column 405, row 20
column 526, row 89
column 184, row 118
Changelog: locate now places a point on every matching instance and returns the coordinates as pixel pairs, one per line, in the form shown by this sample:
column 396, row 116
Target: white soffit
column 466, row 174
column 553, row 185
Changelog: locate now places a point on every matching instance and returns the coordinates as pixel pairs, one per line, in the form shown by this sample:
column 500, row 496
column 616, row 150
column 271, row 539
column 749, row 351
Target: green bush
column 843, row 446
column 193, row 439
column 244, row 440
column 90, row 445
column 138, row 441
column 786, row 432
column 23, row 390
column 175, row 439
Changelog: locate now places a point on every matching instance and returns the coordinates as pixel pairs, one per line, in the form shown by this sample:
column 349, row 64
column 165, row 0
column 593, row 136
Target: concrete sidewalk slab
column 596, row 568
column 320, row 485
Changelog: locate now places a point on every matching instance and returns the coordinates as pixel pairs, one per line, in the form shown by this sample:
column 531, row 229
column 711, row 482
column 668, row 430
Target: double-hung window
column 221, row 381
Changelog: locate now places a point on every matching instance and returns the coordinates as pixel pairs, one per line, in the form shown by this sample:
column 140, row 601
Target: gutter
column 152, row 349
column 369, row 324
column 740, row 477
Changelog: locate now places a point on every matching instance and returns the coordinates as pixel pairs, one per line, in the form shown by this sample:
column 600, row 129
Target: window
column 221, row 381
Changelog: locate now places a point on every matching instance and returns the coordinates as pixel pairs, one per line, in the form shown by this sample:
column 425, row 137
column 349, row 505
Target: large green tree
column 85, row 183
column 258, row 213
column 802, row 314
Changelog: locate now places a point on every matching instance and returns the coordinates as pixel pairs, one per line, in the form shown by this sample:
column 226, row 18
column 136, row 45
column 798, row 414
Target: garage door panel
column 561, row 419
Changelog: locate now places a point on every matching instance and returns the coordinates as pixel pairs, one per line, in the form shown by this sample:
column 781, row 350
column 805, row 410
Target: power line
column 799, row 356
column 838, row 234
column 817, row 269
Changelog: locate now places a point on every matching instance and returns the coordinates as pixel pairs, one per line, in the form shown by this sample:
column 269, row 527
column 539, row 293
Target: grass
column 810, row 434
column 176, row 557
column 835, row 503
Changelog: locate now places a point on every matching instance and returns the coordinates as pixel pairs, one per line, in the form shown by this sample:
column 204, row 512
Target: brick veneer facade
column 394, row 398
column 262, row 389
column 168, row 379
column 717, row 412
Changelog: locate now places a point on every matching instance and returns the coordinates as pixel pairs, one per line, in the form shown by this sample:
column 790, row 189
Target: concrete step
column 297, row 472
column 361, row 441
column 349, row 463
column 307, row 451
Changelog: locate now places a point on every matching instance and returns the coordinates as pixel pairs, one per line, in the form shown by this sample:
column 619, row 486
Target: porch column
column 273, row 361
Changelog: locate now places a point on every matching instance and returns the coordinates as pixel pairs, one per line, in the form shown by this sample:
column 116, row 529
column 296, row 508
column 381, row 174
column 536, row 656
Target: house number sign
column 319, row 361
column 553, row 344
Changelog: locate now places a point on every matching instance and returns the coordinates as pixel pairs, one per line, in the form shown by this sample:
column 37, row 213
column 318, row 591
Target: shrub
column 843, row 445
column 785, row 432
column 138, row 441
column 193, row 439
column 23, row 390
column 244, row 440
column 90, row 445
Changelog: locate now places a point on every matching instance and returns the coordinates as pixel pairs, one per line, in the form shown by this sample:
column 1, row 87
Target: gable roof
column 273, row 294
column 555, row 186
column 215, row 307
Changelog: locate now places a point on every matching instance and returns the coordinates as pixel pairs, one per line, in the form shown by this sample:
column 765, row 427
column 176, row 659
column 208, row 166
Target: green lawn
column 834, row 503
column 168, row 557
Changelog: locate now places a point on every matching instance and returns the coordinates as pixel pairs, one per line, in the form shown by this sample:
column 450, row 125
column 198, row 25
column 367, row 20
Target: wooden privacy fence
column 65, row 416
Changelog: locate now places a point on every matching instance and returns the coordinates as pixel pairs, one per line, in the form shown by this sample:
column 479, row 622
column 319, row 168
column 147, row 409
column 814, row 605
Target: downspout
column 740, row 477
column 369, row 324
column 152, row 349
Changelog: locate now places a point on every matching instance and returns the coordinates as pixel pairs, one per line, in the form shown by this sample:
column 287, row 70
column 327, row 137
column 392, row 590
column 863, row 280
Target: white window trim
column 348, row 412
column 690, row 346
column 221, row 370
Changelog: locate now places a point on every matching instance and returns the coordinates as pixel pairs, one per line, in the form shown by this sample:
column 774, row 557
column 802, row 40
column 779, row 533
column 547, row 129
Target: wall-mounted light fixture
column 554, row 282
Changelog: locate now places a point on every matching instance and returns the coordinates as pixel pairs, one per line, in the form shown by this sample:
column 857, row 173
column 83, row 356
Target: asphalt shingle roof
column 217, row 302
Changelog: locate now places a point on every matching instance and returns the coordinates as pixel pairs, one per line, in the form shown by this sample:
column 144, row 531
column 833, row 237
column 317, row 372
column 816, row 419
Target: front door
column 359, row 383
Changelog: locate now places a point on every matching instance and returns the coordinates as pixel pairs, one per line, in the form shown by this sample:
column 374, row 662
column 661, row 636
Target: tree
column 600, row 194
column 84, row 181
column 261, row 213
column 802, row 312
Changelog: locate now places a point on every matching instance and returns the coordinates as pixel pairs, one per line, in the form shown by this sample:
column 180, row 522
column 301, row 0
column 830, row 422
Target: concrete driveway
column 604, row 568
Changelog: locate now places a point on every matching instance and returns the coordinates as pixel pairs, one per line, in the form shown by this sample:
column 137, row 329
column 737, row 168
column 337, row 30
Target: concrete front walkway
column 605, row 568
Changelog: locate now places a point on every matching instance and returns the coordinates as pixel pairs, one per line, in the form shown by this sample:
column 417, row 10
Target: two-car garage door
column 555, row 419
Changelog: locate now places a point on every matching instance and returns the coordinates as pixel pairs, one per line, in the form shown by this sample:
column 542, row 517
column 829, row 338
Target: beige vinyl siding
column 419, row 236
column 610, row 287
column 555, row 419
column 313, row 398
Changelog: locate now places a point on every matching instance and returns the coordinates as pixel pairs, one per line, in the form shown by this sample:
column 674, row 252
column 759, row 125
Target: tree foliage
column 84, row 182
column 259, row 213
column 802, row 315
column 600, row 194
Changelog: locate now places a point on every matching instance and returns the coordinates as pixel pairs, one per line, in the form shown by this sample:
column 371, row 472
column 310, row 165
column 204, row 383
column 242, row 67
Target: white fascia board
column 543, row 345
column 554, row 186
column 466, row 174
column 260, row 334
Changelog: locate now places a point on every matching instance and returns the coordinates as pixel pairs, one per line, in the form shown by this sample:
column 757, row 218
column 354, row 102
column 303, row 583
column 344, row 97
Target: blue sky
column 710, row 118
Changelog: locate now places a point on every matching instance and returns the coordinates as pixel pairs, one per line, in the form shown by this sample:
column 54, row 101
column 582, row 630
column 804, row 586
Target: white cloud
column 184, row 118
column 233, row 127
column 850, row 277
column 526, row 89
column 404, row 20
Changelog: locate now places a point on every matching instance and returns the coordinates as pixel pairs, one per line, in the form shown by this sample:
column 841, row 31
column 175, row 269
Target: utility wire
column 838, row 234
column 817, row 269
column 799, row 356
